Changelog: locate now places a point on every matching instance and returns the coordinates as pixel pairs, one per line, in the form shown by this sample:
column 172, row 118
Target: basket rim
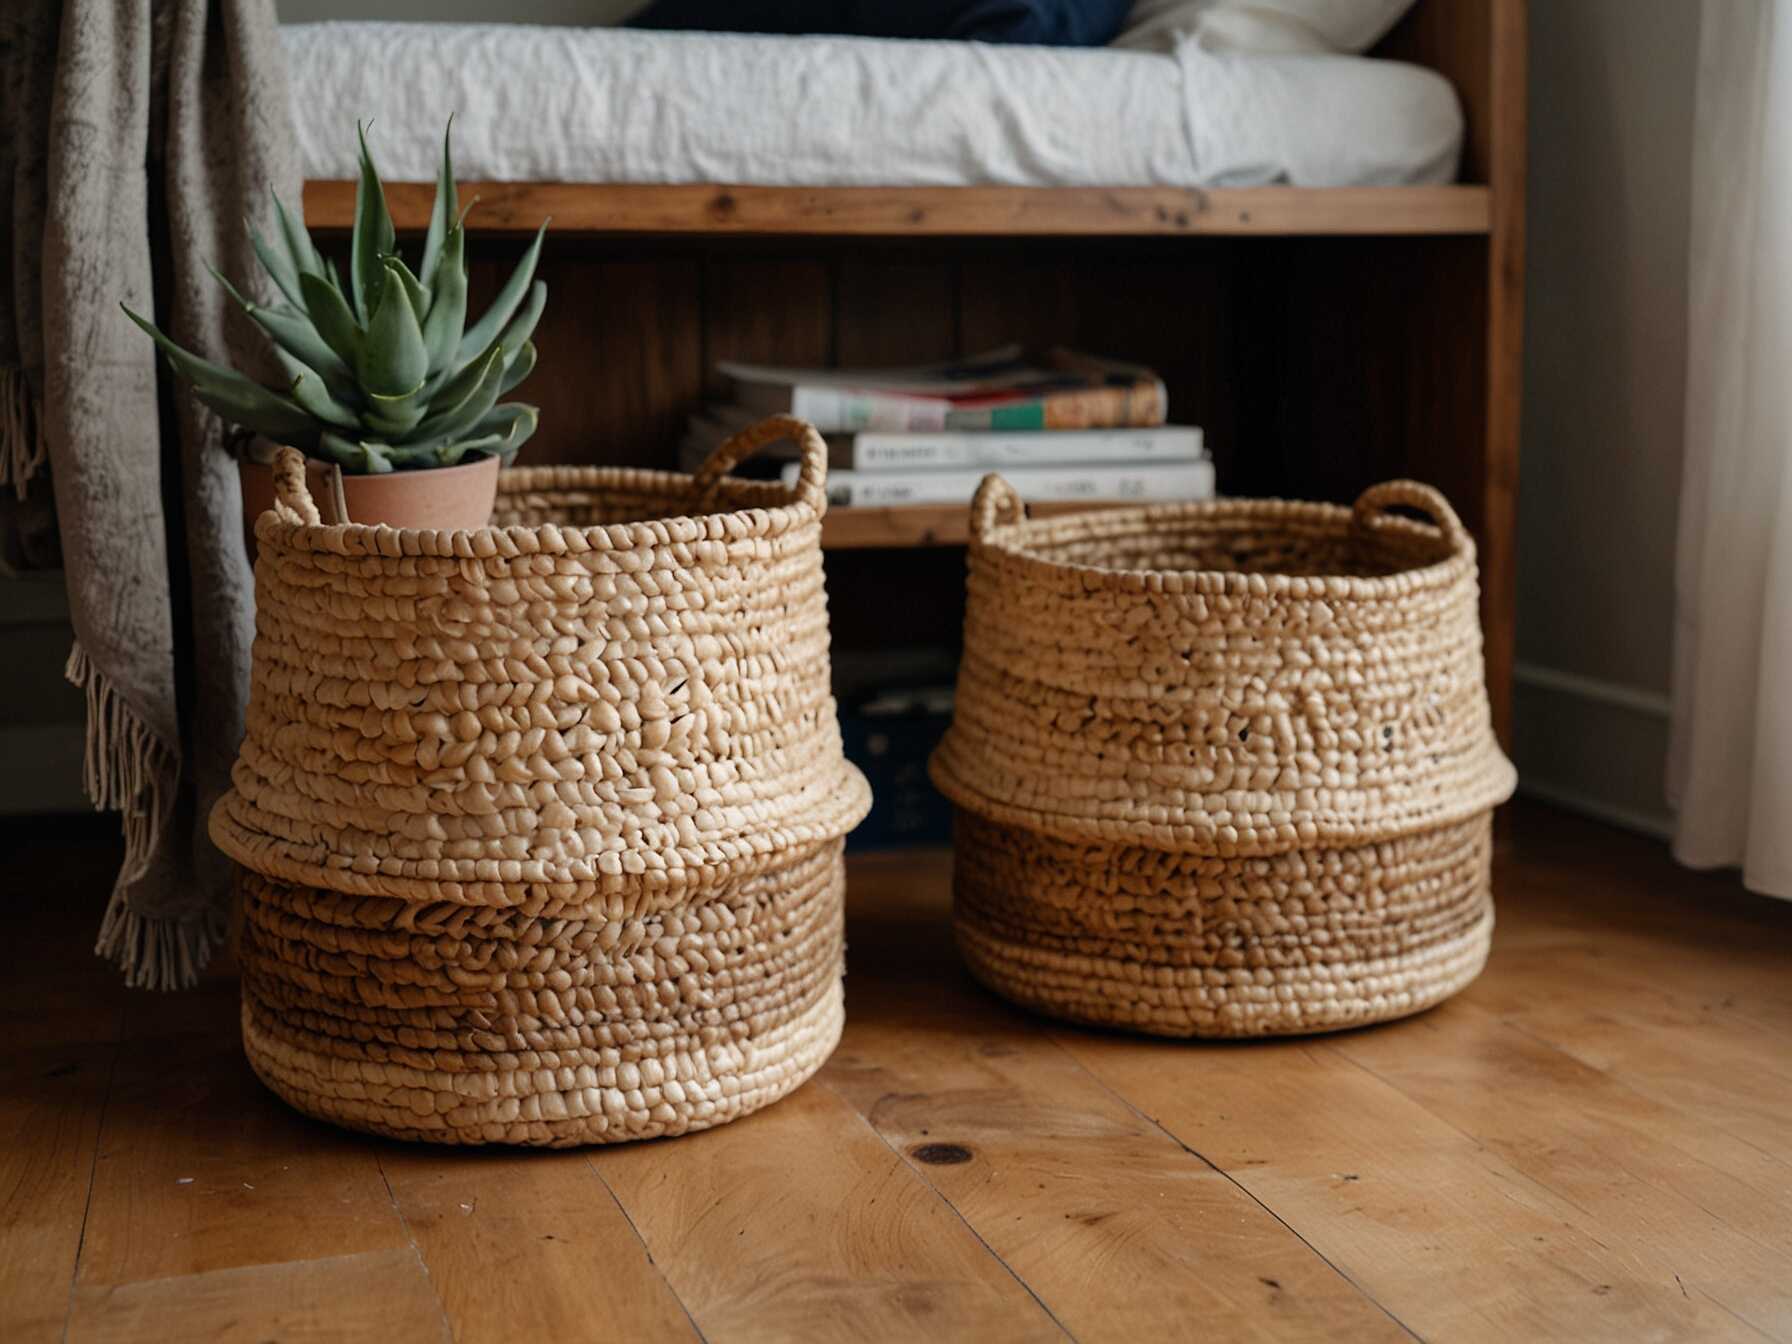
column 763, row 510
column 1018, row 541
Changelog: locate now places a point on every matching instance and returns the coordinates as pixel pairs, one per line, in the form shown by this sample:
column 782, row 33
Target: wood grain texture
column 1592, row 1143
column 1101, row 1213
column 800, row 1223
column 626, row 208
column 529, row 1246
column 200, row 1168
column 1505, row 355
column 894, row 308
column 382, row 1296
column 766, row 310
column 621, row 362
column 51, row 1101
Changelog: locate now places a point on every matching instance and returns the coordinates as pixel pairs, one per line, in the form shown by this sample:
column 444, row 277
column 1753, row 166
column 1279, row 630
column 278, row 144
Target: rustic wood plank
column 1114, row 1226
column 894, row 308
column 800, row 1223
column 1679, row 1047
column 529, row 1246
column 381, row 1296
column 1717, row 1211
column 51, row 1100
column 766, row 310
column 202, row 1168
column 1504, row 369
column 1025, row 296
column 621, row 357
column 608, row 208
column 1446, row 1234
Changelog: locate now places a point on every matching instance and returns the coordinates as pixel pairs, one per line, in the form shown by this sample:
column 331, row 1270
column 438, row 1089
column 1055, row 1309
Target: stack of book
column 1064, row 427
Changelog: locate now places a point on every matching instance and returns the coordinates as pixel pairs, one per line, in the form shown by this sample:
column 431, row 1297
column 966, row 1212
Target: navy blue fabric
column 1044, row 23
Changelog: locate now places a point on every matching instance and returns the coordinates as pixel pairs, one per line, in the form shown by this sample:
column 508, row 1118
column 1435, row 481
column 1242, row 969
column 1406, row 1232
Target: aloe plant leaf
column 278, row 266
column 330, row 315
column 514, row 422
column 471, row 398
column 413, row 287
column 310, row 392
column 262, row 411
column 237, row 399
column 522, row 326
column 442, row 213
column 451, row 454
column 392, row 361
column 521, row 365
column 356, row 455
column 395, row 417
column 482, row 332
column 303, row 252
column 451, row 391
column 292, row 332
column 372, row 237
column 448, row 304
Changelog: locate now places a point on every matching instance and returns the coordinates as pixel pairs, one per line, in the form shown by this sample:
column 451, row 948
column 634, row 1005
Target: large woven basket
column 539, row 825
column 1223, row 769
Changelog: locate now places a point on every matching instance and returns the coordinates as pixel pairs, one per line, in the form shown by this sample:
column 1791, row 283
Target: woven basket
column 540, row 824
column 1223, row 769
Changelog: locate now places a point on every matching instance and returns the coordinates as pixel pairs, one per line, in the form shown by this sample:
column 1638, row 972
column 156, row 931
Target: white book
column 873, row 451
column 881, row 489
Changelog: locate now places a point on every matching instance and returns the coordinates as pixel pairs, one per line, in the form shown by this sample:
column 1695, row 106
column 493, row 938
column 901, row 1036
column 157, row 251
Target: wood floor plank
column 1717, row 1211
column 1118, row 1229
column 800, row 1223
column 1446, row 1234
column 529, row 1246
column 202, row 1168
column 381, row 1295
column 1683, row 1048
column 50, row 1105
column 1592, row 1143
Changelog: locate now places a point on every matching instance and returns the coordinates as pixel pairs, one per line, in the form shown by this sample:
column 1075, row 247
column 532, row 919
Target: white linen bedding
column 615, row 105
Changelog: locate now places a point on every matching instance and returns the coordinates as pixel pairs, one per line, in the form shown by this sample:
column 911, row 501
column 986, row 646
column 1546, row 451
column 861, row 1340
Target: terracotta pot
column 439, row 497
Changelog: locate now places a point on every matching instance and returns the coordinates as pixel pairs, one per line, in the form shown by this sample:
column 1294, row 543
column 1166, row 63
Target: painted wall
column 1611, row 101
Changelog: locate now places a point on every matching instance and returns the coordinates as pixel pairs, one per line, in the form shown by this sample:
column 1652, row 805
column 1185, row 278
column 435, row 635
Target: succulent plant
column 385, row 374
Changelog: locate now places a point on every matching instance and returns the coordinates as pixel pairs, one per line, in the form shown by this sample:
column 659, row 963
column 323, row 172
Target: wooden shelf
column 580, row 208
column 920, row 524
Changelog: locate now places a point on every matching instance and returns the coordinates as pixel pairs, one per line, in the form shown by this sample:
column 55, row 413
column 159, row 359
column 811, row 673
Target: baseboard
column 1592, row 746
column 1569, row 800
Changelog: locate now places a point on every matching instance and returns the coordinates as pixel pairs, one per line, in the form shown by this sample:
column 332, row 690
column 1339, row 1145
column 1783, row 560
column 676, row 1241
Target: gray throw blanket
column 139, row 135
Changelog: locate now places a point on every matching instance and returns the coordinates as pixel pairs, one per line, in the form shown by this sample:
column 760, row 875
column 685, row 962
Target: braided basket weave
column 539, row 825
column 1223, row 769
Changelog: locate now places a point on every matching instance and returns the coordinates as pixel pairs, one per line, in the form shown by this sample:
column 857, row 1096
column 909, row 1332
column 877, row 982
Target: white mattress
column 613, row 105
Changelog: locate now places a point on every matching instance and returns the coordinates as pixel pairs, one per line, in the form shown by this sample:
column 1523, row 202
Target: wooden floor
column 1593, row 1143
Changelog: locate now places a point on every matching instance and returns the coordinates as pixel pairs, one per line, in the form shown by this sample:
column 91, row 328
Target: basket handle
column 292, row 497
column 812, row 476
column 996, row 503
column 1368, row 511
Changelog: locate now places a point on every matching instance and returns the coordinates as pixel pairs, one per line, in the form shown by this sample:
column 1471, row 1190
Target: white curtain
column 1730, row 758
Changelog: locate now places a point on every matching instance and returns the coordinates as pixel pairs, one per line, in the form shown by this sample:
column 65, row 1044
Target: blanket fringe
column 127, row 770
column 155, row 952
column 22, row 449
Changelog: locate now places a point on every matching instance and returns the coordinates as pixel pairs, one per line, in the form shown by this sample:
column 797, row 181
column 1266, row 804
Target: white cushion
column 1260, row 26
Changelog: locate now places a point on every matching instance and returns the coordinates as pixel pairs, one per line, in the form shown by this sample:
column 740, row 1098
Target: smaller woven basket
column 539, row 826
column 1223, row 769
